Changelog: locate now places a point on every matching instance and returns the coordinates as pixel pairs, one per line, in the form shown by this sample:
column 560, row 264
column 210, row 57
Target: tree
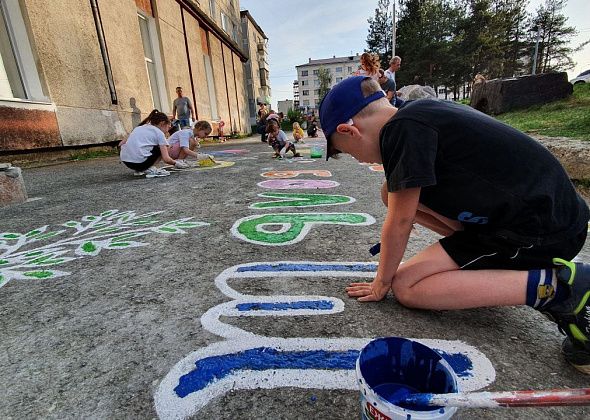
column 380, row 33
column 325, row 78
column 554, row 37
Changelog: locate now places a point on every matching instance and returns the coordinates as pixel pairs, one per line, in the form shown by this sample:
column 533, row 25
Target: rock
column 12, row 186
column 502, row 95
column 412, row 92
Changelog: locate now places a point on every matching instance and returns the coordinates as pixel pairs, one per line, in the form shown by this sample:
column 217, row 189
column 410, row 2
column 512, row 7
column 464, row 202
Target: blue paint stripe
column 285, row 267
column 320, row 305
column 214, row 368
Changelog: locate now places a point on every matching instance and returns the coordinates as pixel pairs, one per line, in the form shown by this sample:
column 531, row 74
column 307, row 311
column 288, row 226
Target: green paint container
column 316, row 152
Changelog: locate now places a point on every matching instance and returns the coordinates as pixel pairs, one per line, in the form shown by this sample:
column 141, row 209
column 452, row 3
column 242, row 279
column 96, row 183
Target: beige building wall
column 78, row 109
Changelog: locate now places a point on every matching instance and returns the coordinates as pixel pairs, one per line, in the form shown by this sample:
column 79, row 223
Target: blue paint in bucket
column 389, row 369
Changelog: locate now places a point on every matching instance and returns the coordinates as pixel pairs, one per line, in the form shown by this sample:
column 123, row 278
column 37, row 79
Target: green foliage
column 295, row 115
column 380, row 32
column 325, row 78
column 566, row 118
column 93, row 154
column 286, row 125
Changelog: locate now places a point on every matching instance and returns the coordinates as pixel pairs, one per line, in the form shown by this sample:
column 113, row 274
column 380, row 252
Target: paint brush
column 547, row 398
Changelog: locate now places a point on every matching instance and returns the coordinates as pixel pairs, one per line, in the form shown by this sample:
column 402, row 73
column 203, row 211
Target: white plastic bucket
column 387, row 363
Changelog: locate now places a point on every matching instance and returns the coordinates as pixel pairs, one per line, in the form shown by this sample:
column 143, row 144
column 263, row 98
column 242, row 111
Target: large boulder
column 411, row 92
column 502, row 95
column 573, row 154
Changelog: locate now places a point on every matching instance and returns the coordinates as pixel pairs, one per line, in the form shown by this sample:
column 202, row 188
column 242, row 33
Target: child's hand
column 369, row 292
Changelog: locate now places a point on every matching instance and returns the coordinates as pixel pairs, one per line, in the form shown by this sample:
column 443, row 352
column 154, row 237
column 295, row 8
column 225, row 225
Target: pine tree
column 380, row 32
column 554, row 50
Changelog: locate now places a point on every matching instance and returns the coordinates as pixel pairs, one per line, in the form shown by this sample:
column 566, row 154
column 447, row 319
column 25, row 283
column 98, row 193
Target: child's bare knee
column 404, row 295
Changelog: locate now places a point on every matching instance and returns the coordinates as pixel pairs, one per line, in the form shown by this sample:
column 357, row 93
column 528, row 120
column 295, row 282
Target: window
column 316, row 82
column 316, row 72
column 152, row 60
column 304, row 73
column 306, row 102
column 209, row 73
column 304, row 82
column 212, row 9
column 338, row 69
column 225, row 22
column 305, row 93
column 316, row 92
column 349, row 69
column 18, row 72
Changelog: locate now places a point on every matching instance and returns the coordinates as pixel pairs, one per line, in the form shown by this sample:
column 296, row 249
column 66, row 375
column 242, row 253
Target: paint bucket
column 389, row 364
column 316, row 152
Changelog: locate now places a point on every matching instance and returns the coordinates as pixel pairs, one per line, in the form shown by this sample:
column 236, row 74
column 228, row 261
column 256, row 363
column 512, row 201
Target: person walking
column 182, row 109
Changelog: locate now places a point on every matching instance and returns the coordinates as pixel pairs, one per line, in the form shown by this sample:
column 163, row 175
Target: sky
column 303, row 29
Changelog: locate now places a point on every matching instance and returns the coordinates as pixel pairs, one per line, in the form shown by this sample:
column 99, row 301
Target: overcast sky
column 303, row 29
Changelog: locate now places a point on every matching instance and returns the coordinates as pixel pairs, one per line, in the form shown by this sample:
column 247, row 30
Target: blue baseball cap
column 343, row 102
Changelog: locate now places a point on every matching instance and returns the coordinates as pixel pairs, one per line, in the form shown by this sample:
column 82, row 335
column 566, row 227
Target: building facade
column 256, row 69
column 308, row 84
column 80, row 73
column 285, row 106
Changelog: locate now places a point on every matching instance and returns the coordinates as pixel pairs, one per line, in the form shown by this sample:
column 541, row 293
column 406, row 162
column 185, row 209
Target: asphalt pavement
column 218, row 292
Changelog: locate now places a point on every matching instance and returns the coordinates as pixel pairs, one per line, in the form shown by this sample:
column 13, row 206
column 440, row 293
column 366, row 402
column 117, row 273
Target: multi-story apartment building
column 256, row 69
column 307, row 77
column 82, row 73
column 296, row 93
column 285, row 106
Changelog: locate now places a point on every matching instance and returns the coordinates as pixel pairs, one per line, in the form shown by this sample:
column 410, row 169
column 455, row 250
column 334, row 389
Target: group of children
column 147, row 145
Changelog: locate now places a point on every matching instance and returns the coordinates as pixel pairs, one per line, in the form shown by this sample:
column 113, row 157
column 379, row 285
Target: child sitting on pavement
column 278, row 140
column 298, row 133
column 147, row 145
column 510, row 218
column 183, row 143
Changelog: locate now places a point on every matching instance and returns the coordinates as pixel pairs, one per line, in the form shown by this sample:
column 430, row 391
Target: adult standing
column 394, row 65
column 262, row 114
column 182, row 109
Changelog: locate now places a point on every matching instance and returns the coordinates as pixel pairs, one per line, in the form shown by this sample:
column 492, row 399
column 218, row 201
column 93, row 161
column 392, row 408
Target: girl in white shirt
column 147, row 145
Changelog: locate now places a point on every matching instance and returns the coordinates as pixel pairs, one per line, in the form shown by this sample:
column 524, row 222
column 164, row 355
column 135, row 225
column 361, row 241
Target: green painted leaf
column 108, row 213
column 33, row 253
column 10, row 235
column 120, row 244
column 107, row 230
column 3, row 262
column 188, row 225
column 124, row 237
column 71, row 223
column 40, row 259
column 42, row 274
column 33, row 233
column 48, row 235
column 89, row 247
column 167, row 229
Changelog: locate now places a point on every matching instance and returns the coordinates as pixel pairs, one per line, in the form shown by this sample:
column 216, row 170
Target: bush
column 287, row 125
column 295, row 115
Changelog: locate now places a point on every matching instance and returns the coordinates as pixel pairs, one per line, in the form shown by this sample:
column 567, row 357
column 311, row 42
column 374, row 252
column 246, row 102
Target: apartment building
column 80, row 73
column 308, row 83
column 256, row 69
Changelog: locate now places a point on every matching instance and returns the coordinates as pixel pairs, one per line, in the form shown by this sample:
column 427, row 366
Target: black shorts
column 148, row 163
column 472, row 250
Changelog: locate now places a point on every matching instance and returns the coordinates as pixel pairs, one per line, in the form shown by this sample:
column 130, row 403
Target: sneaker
column 154, row 172
column 573, row 314
column 181, row 164
column 138, row 173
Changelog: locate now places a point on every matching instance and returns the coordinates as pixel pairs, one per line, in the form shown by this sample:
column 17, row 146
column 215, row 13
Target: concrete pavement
column 197, row 295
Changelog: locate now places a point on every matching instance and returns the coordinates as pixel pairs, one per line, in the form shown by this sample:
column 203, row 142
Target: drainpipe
column 103, row 50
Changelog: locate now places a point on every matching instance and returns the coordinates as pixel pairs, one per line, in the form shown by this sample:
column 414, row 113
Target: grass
column 565, row 118
column 93, row 154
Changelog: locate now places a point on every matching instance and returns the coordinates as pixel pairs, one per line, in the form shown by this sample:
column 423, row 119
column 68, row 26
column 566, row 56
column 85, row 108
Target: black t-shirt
column 484, row 173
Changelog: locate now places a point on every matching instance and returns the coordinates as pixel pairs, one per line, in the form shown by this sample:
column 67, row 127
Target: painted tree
column 380, row 32
column 325, row 78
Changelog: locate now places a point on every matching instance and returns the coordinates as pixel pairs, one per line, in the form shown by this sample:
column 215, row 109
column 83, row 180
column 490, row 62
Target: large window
column 19, row 78
column 304, row 72
column 151, row 59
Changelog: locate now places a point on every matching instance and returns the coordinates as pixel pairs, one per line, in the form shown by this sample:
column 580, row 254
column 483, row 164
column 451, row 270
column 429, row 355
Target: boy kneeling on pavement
column 509, row 215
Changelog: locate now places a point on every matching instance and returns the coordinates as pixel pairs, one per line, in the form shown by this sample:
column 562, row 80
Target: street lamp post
column 538, row 29
column 393, row 36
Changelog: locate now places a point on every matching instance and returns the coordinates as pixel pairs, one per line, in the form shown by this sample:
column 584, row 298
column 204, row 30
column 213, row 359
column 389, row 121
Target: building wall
column 78, row 109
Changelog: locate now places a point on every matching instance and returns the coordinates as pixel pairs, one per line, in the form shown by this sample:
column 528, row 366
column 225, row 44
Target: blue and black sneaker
column 573, row 314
